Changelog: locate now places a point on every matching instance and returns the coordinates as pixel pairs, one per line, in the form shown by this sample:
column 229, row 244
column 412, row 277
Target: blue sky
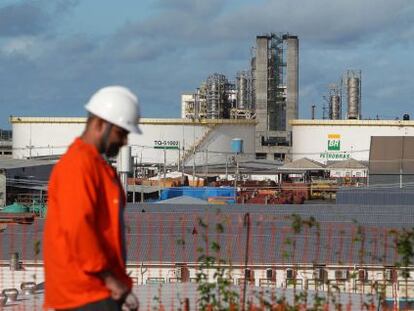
column 55, row 54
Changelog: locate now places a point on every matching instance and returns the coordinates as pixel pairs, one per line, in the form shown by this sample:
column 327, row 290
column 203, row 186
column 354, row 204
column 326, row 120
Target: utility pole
column 179, row 157
column 206, row 165
column 142, row 178
column 227, row 168
column 159, row 180
column 165, row 165
column 194, row 154
column 183, row 159
column 313, row 111
column 182, row 167
column 401, row 167
column 236, row 176
column 135, row 177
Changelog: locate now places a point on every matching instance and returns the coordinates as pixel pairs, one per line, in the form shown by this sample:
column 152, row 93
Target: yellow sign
column 334, row 136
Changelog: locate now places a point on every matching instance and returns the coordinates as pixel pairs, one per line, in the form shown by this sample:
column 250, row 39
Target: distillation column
column 292, row 76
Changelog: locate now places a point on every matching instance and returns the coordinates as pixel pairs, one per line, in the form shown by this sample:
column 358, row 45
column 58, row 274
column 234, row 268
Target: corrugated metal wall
column 377, row 196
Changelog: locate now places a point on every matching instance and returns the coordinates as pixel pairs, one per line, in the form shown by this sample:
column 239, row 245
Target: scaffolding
column 216, row 98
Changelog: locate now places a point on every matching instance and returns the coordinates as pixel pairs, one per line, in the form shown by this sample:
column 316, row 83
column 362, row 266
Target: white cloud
column 183, row 41
column 29, row 47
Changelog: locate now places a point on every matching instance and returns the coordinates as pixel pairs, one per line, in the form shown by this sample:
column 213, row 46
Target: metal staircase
column 188, row 153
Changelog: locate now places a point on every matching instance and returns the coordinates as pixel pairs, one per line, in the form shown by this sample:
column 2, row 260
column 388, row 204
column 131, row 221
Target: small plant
column 216, row 295
column 157, row 299
column 37, row 247
column 404, row 243
column 214, row 281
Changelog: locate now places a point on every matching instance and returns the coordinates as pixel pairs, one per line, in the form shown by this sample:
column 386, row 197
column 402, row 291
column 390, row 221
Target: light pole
column 194, row 152
column 237, row 148
column 182, row 157
column 236, row 176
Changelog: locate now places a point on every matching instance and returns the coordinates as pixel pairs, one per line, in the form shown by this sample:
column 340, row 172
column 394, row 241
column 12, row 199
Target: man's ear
column 100, row 125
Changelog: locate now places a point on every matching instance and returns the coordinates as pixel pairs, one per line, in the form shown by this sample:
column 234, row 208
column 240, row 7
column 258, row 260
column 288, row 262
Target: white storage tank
column 178, row 139
column 336, row 140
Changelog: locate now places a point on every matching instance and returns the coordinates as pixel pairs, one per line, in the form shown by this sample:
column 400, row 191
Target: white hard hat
column 117, row 105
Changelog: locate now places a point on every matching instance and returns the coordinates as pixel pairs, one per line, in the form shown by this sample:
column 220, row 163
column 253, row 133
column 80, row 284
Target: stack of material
column 19, row 218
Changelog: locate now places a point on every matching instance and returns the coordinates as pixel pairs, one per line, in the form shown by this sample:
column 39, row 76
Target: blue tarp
column 199, row 192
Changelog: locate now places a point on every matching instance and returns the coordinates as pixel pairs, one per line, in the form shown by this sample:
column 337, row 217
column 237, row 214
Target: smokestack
column 353, row 89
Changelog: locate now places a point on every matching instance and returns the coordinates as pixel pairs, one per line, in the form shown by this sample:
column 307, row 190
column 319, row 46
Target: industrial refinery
column 182, row 155
column 348, row 90
column 266, row 92
column 241, row 146
column 259, row 105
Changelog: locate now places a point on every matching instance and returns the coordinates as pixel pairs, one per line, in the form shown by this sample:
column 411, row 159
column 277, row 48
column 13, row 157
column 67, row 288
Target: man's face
column 118, row 137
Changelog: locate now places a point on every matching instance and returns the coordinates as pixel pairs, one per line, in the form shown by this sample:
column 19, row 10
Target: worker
column 84, row 237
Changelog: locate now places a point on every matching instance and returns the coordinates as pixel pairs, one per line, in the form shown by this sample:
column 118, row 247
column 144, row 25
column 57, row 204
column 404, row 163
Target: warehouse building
column 392, row 161
column 23, row 179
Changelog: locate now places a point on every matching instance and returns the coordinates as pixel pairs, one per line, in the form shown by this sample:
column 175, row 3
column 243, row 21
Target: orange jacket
column 83, row 234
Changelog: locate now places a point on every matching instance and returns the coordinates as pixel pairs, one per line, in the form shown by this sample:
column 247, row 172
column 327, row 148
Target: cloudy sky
column 55, row 53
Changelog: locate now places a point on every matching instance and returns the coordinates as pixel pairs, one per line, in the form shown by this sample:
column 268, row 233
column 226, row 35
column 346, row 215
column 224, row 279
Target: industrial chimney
column 352, row 83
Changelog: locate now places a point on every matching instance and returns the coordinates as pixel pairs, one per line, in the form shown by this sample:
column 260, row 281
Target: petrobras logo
column 334, row 142
column 334, row 156
column 334, row 149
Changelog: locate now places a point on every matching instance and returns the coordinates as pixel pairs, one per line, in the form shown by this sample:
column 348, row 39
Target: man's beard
column 112, row 150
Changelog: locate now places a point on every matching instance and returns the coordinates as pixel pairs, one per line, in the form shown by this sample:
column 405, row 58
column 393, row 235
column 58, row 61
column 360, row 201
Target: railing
column 191, row 151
